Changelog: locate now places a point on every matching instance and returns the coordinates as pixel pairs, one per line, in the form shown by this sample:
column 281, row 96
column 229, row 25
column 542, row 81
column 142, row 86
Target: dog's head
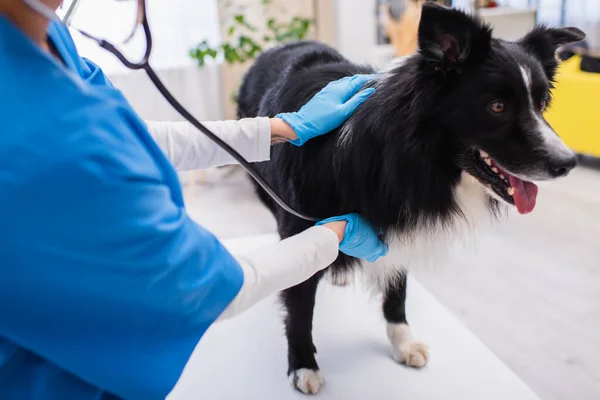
column 502, row 89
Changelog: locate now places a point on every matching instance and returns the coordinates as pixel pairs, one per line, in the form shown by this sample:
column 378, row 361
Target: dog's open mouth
column 515, row 191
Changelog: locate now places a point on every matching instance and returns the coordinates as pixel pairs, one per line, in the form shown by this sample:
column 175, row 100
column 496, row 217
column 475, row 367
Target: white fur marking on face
column 307, row 380
column 526, row 74
column 406, row 350
column 552, row 144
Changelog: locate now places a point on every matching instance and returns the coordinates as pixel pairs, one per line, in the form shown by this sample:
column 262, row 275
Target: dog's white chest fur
column 432, row 243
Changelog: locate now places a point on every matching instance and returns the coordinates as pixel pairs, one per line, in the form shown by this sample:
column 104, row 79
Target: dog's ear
column 544, row 43
column 448, row 38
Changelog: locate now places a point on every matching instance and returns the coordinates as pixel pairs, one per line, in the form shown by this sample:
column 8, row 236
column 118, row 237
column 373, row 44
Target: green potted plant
column 248, row 32
column 245, row 38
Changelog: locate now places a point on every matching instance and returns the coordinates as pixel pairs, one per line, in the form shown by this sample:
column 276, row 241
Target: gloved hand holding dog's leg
column 294, row 260
column 360, row 240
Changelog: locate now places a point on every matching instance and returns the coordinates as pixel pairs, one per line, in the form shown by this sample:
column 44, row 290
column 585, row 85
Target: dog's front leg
column 303, row 370
column 406, row 350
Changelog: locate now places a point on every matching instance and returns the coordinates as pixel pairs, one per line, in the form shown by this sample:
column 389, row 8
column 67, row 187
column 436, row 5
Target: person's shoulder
column 104, row 126
column 82, row 153
column 86, row 130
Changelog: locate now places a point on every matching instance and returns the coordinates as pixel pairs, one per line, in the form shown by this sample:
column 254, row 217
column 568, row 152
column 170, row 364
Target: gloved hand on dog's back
column 329, row 108
column 358, row 238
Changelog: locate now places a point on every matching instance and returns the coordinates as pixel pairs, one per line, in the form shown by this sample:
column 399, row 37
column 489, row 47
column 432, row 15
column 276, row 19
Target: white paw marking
column 413, row 354
column 406, row 350
column 306, row 380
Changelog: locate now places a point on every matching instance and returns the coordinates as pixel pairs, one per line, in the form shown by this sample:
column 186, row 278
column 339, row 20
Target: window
column 584, row 14
column 176, row 25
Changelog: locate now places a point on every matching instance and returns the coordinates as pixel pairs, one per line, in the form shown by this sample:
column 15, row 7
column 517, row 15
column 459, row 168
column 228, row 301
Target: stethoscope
column 142, row 20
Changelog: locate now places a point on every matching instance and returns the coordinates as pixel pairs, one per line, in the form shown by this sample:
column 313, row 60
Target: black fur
column 543, row 42
column 406, row 147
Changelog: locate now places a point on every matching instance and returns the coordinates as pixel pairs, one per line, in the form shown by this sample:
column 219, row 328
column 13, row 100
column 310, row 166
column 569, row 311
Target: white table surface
column 245, row 358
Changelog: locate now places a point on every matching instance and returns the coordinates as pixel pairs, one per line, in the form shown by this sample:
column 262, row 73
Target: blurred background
column 530, row 290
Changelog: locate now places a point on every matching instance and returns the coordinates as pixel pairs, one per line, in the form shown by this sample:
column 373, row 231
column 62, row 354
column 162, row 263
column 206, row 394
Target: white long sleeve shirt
column 187, row 148
column 269, row 269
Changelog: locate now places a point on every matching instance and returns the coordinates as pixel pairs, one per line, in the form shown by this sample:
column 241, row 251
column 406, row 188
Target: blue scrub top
column 106, row 284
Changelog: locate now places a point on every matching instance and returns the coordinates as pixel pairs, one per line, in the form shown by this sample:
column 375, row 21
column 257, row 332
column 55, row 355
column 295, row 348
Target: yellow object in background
column 575, row 110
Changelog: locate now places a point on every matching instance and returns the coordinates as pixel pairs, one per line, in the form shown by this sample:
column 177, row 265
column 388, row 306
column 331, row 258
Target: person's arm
column 115, row 283
column 282, row 265
column 187, row 148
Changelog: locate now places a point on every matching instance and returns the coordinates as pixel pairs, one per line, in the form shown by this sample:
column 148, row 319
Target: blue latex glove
column 360, row 240
column 329, row 108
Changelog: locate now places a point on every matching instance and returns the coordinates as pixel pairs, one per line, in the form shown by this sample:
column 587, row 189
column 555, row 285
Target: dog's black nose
column 561, row 166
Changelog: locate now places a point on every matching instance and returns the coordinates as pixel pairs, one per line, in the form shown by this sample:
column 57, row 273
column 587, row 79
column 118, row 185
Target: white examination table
column 245, row 358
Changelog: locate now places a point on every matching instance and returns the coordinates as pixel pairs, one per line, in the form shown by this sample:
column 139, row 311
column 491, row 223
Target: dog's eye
column 497, row 106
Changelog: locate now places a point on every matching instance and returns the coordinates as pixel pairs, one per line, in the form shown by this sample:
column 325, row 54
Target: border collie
column 451, row 138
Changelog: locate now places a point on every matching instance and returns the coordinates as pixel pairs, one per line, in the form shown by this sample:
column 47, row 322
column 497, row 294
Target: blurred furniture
column 402, row 31
column 508, row 23
column 400, row 22
column 485, row 3
column 574, row 112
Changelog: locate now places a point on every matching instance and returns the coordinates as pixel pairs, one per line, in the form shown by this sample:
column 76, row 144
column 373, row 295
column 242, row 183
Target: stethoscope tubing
column 145, row 65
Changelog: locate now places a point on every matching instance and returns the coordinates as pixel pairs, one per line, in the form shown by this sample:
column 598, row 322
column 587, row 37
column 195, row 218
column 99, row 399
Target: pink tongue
column 525, row 194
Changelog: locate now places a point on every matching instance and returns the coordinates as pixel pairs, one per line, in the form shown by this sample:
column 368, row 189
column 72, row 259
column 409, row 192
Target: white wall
column 199, row 90
column 356, row 29
column 177, row 26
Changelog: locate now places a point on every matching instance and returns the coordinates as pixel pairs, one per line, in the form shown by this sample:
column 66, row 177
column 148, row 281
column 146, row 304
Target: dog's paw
column 413, row 354
column 306, row 380
column 406, row 350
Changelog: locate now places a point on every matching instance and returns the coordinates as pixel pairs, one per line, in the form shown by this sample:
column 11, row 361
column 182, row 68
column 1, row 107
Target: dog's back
column 274, row 70
column 283, row 79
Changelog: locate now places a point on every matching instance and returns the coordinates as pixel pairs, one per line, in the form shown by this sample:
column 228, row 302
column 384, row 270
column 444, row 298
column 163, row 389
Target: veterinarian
column 106, row 284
